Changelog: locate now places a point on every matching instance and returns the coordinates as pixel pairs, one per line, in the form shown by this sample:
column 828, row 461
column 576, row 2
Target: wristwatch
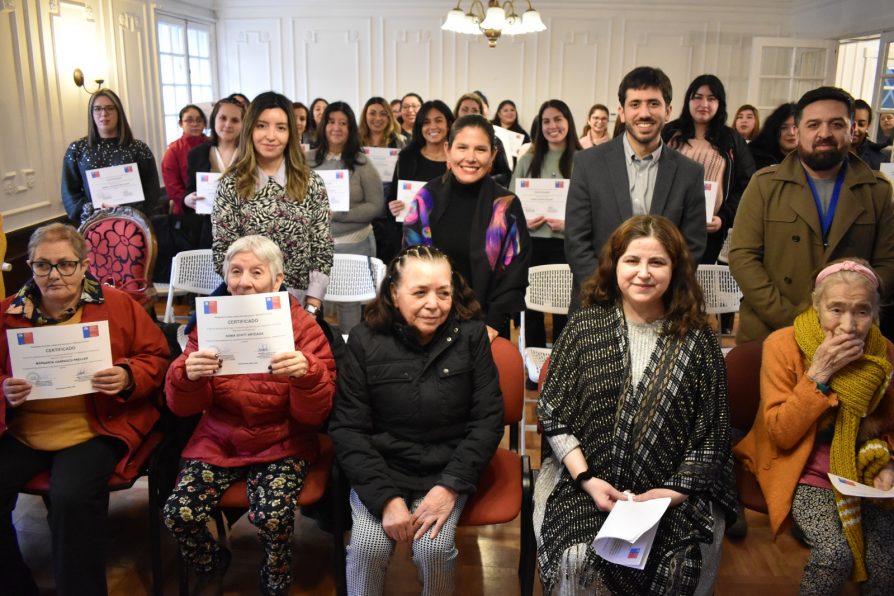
column 583, row 477
column 313, row 310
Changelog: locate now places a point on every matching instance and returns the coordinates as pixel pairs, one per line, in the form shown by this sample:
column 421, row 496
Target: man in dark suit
column 634, row 174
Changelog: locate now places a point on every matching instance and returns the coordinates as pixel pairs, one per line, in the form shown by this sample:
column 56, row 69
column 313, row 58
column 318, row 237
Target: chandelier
column 496, row 21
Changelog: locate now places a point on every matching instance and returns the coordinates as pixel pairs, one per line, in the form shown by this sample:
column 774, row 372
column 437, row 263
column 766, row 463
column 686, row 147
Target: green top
column 549, row 169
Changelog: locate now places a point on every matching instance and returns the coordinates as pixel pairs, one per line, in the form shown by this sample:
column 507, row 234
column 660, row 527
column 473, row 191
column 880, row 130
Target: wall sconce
column 78, row 77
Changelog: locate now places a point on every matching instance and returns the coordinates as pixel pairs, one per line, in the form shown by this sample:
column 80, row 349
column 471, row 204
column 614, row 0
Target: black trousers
column 79, row 504
column 545, row 251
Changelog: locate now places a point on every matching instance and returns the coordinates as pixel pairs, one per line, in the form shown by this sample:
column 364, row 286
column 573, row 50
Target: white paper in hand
column 855, row 489
column 627, row 534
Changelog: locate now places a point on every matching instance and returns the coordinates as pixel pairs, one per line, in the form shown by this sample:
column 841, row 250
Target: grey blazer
column 599, row 202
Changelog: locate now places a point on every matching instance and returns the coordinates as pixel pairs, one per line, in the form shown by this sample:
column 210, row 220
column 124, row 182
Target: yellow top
column 52, row 424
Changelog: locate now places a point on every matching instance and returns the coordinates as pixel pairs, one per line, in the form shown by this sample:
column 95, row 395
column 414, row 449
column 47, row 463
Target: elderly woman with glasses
column 82, row 440
column 109, row 142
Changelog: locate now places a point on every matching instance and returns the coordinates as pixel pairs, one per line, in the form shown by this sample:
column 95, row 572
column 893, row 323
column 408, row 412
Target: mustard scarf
column 859, row 386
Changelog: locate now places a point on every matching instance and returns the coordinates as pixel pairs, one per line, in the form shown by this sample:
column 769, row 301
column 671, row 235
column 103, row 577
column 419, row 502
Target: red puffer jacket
column 258, row 417
column 138, row 344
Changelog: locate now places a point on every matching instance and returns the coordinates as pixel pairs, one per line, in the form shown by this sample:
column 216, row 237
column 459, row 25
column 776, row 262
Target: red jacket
column 138, row 343
column 258, row 417
column 173, row 168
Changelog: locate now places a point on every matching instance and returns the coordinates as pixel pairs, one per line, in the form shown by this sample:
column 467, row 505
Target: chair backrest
column 743, row 368
column 122, row 249
column 549, row 289
column 720, row 289
column 354, row 278
column 191, row 271
column 510, row 368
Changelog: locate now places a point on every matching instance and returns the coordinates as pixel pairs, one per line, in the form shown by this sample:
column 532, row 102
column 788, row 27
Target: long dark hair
column 351, row 154
column 516, row 127
column 683, row 299
column 125, row 135
column 683, row 128
column 381, row 315
column 418, row 142
column 311, row 123
column 768, row 138
column 541, row 145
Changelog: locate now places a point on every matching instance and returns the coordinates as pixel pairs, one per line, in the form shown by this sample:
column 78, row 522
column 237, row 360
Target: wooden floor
column 487, row 561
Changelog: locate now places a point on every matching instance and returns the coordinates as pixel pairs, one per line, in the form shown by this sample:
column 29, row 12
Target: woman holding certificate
column 476, row 222
column 551, row 156
column 174, row 163
column 423, row 159
column 260, row 427
column 214, row 156
column 507, row 117
column 827, row 405
column 269, row 190
column 80, row 435
column 339, row 148
column 635, row 401
column 418, row 415
column 109, row 142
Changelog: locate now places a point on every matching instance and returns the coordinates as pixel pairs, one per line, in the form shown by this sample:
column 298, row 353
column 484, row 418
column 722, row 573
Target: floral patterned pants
column 272, row 496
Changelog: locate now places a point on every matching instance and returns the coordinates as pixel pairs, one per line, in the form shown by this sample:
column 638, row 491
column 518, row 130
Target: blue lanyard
column 826, row 218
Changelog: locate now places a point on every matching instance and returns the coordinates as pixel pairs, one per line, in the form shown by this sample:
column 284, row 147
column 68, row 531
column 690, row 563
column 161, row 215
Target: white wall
column 41, row 43
column 353, row 49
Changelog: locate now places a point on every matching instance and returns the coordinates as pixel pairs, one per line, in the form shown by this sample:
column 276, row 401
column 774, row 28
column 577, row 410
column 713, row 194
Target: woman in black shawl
column 635, row 401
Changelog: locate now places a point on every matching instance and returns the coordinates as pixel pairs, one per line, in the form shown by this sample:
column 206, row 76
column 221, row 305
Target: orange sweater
column 782, row 437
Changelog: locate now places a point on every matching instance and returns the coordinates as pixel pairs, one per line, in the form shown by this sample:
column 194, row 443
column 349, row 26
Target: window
column 783, row 69
column 184, row 57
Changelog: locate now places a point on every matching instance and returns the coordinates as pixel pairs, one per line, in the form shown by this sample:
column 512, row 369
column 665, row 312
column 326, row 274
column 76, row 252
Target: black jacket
column 408, row 417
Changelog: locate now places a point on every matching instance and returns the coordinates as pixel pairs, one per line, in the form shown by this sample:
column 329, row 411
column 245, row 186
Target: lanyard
column 826, row 218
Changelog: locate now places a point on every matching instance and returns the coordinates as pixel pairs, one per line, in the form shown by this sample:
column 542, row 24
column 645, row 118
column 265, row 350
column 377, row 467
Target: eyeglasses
column 106, row 109
column 65, row 268
column 194, row 121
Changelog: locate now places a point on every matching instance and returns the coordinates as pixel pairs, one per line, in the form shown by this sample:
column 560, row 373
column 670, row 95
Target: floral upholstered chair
column 122, row 251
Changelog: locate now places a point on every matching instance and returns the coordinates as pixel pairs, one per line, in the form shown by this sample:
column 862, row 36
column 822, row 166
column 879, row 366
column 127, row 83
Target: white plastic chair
column 191, row 271
column 722, row 294
column 354, row 278
column 548, row 291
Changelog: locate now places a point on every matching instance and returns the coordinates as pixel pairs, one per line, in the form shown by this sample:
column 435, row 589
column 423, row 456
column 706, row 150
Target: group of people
column 634, row 402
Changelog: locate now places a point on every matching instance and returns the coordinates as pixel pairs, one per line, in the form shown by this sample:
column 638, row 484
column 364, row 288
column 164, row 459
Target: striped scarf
column 859, row 387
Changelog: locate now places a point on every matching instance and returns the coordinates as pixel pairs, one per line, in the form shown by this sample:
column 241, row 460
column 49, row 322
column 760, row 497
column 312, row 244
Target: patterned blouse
column 301, row 230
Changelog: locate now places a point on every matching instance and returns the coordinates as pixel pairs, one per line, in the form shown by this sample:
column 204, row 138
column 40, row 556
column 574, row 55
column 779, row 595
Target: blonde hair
column 392, row 131
column 246, row 163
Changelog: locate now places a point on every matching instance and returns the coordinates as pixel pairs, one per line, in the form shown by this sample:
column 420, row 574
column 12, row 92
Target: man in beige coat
column 820, row 204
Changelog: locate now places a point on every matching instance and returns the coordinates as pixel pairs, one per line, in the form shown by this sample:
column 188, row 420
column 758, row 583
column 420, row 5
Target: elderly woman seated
column 259, row 427
column 418, row 415
column 81, row 439
column 827, row 406
column 635, row 401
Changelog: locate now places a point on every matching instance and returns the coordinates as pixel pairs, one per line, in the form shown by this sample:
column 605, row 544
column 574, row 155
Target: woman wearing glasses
column 173, row 164
column 109, row 142
column 81, row 439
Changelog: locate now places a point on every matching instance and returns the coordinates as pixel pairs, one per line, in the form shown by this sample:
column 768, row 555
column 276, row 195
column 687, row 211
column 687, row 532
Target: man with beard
column 820, row 204
column 633, row 174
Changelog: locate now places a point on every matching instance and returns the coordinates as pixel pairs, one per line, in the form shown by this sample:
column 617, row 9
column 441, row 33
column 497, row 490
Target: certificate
column 245, row 330
column 384, row 159
column 406, row 191
column 856, row 489
column 626, row 535
column 60, row 360
column 710, row 199
column 206, row 187
column 888, row 170
column 338, row 188
column 542, row 196
column 115, row 185
column 512, row 141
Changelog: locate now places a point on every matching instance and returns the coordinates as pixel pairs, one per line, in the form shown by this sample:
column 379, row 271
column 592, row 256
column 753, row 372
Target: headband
column 848, row 266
